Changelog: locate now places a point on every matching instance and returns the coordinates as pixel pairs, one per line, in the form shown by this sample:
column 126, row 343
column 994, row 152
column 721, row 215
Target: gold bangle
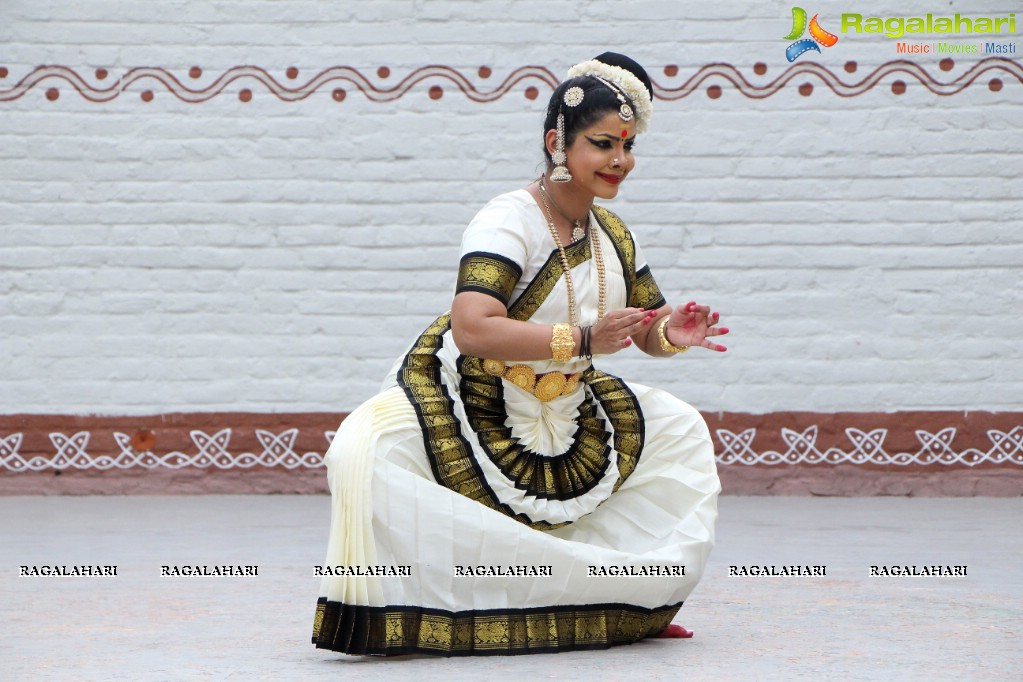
column 665, row 344
column 562, row 343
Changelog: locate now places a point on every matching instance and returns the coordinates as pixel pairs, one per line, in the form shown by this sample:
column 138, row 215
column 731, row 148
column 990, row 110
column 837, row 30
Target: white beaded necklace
column 598, row 258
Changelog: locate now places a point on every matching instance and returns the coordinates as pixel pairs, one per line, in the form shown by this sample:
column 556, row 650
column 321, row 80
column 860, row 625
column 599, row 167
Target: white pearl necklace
column 598, row 258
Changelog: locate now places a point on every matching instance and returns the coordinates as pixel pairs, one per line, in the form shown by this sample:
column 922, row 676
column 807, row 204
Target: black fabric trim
column 645, row 279
column 481, row 290
column 397, row 629
column 535, row 293
column 488, row 273
column 628, row 264
column 522, row 467
column 427, row 345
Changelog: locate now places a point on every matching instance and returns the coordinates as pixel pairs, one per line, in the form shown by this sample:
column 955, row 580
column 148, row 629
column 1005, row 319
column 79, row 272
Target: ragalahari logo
column 818, row 36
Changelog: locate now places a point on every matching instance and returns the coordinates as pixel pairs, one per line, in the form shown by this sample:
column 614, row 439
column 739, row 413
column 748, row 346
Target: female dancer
column 503, row 495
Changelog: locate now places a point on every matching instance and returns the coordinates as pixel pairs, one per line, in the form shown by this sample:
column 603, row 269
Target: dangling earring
column 560, row 172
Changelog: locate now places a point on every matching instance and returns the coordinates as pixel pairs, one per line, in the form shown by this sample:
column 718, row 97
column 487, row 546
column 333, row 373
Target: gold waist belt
column 545, row 387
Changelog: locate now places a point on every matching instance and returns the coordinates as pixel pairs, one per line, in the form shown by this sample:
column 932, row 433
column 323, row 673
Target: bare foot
column 674, row 632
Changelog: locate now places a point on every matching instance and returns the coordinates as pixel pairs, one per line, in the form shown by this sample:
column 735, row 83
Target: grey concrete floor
column 845, row 626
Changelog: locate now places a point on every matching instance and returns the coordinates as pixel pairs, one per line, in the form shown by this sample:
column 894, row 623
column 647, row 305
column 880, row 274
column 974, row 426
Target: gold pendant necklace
column 578, row 231
column 567, row 271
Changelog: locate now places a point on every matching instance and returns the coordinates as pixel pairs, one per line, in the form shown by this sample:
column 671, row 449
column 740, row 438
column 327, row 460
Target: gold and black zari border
column 645, row 292
column 641, row 290
column 488, row 273
column 450, row 454
column 491, row 632
column 530, row 300
column 560, row 477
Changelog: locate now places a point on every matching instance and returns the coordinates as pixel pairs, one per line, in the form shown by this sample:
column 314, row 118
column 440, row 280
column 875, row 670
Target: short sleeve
column 645, row 292
column 493, row 251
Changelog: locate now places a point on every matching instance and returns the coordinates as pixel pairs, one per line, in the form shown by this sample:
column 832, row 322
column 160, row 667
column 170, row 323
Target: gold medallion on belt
column 545, row 387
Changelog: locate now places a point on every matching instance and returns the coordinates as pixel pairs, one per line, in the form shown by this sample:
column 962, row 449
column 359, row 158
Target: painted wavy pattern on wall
column 334, row 81
column 711, row 80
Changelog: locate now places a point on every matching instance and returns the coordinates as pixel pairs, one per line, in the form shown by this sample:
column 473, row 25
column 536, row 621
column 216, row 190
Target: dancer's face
column 600, row 157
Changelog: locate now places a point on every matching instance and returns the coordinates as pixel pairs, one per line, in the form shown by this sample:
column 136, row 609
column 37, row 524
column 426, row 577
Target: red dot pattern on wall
column 143, row 440
column 531, row 80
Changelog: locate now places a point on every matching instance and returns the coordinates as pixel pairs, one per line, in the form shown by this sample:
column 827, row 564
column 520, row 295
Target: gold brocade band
column 409, row 629
column 640, row 287
column 580, row 468
column 545, row 387
column 488, row 273
column 450, row 453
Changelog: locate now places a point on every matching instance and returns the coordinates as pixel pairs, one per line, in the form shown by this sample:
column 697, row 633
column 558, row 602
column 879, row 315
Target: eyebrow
column 613, row 136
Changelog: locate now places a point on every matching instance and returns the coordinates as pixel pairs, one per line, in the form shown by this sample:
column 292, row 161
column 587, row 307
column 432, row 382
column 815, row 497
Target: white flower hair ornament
column 624, row 80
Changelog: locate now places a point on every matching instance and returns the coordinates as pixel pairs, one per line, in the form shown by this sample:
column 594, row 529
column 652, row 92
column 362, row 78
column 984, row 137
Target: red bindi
column 625, row 134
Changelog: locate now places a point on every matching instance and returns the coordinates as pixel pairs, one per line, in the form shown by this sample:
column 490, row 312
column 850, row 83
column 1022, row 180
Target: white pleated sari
column 514, row 520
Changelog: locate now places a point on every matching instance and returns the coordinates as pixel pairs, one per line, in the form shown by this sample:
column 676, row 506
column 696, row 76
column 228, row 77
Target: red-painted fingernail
column 628, row 342
column 724, row 330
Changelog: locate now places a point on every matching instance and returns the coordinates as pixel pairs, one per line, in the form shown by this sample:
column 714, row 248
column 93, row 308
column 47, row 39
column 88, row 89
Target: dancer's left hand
column 694, row 325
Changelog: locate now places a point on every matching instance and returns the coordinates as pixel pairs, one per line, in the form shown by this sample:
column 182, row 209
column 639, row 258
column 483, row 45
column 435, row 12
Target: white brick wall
column 272, row 256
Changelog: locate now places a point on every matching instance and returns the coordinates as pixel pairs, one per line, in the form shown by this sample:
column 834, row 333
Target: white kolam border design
column 868, row 448
column 278, row 450
column 212, row 451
